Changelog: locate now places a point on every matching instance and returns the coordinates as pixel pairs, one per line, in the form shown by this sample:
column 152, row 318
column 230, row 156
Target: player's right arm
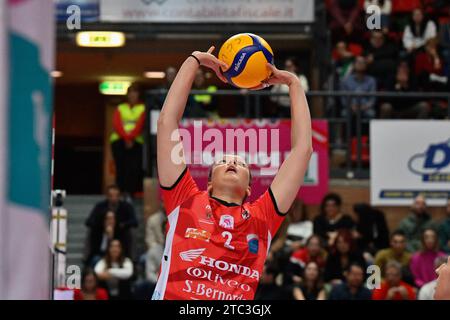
column 170, row 155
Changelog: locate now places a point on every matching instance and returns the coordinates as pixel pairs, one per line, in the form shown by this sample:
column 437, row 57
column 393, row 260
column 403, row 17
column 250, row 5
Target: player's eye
column 242, row 164
column 223, row 161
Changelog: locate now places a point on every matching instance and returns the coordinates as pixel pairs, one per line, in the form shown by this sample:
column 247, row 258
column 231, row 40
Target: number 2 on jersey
column 228, row 236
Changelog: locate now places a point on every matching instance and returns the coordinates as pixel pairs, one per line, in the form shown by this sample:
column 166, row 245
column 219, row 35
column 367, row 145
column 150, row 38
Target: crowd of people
column 331, row 256
column 408, row 51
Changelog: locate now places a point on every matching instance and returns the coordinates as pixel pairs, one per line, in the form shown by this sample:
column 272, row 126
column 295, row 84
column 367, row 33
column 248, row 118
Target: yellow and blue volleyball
column 246, row 55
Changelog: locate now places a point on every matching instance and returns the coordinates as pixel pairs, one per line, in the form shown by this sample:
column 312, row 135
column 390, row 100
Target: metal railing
column 352, row 124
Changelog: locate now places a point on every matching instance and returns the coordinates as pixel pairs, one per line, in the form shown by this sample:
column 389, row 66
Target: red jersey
column 214, row 250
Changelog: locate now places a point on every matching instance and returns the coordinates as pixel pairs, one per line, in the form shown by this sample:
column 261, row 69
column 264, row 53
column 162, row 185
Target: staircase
column 78, row 209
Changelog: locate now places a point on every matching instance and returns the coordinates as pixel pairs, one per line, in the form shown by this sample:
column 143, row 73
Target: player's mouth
column 231, row 169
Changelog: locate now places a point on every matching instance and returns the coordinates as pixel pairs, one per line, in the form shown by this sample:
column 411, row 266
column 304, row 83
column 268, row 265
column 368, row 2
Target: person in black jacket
column 371, row 232
column 331, row 219
column 125, row 219
column 343, row 253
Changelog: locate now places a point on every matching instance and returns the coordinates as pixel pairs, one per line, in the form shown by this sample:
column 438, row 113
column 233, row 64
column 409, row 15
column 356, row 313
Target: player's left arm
column 290, row 176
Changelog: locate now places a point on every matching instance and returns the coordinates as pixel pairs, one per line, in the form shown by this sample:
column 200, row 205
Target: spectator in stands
column 311, row 288
column 127, row 140
column 381, row 56
column 429, row 68
column 204, row 105
column 403, row 107
column 385, row 7
column 284, row 102
column 444, row 231
column 397, row 252
column 344, row 57
column 422, row 262
column 342, row 254
column 371, row 232
column 125, row 217
column 170, row 72
column 331, row 219
column 428, row 289
column 393, row 288
column 359, row 82
column 115, row 271
column 300, row 228
column 415, row 223
column 353, row 288
column 154, row 238
column 267, row 288
column 312, row 252
column 345, row 19
column 99, row 241
column 418, row 31
column 89, row 288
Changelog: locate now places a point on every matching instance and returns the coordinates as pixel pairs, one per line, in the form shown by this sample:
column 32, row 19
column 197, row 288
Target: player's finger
column 221, row 76
column 211, row 49
column 272, row 67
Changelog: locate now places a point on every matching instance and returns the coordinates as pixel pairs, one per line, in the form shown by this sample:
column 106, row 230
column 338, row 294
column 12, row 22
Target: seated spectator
column 312, row 252
column 345, row 19
column 353, row 288
column 429, row 68
column 415, row 223
column 418, row 31
column 393, row 288
column 89, row 289
column 444, row 231
column 284, row 102
column 343, row 254
column 311, row 287
column 403, row 107
column 381, row 58
column 267, row 288
column 300, row 228
column 422, row 262
column 125, row 217
column 385, row 8
column 99, row 241
column 154, row 238
column 428, row 289
column 397, row 252
column 115, row 271
column 343, row 57
column 371, row 232
column 331, row 219
column 359, row 82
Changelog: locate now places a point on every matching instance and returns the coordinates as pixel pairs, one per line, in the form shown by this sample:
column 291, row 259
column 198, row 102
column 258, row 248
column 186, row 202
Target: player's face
column 419, row 205
column 331, row 208
column 232, row 171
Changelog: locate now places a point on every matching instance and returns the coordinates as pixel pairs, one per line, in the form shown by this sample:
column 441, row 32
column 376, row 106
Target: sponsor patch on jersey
column 191, row 255
column 253, row 243
column 245, row 215
column 199, row 234
column 226, row 222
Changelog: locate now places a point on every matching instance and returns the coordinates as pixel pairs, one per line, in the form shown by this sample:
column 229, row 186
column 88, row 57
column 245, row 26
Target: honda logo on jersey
column 191, row 255
column 226, row 221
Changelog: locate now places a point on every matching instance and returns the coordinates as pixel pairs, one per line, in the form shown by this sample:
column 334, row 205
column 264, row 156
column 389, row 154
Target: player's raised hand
column 443, row 283
column 277, row 77
column 208, row 60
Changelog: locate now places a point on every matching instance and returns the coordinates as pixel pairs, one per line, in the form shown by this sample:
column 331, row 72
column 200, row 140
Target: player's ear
column 248, row 192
